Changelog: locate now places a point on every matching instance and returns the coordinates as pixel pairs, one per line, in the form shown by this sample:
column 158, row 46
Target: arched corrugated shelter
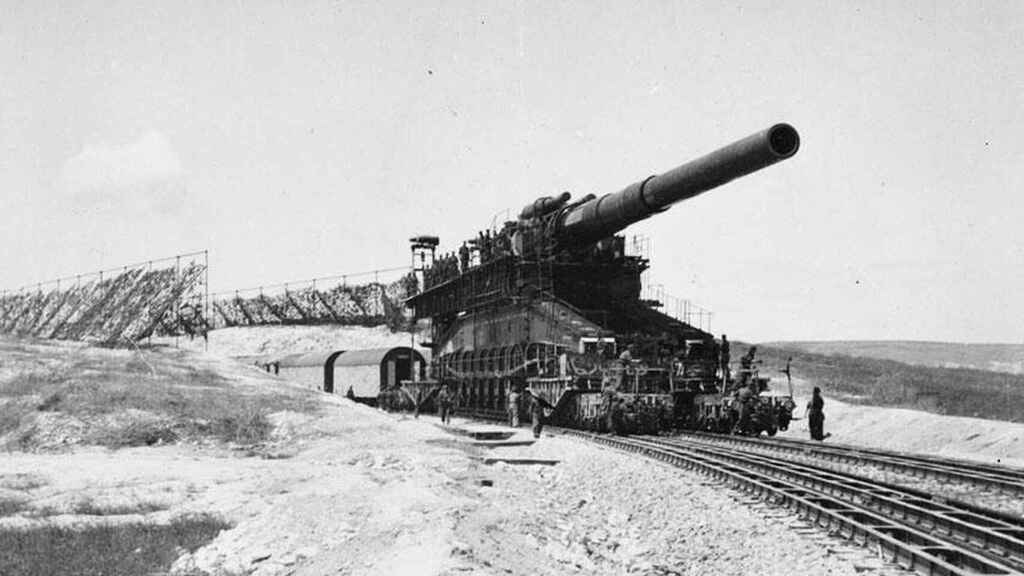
column 361, row 374
column 313, row 369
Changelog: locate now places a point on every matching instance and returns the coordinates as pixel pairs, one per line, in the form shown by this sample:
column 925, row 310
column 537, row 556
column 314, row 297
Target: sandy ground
column 353, row 491
column 990, row 441
column 357, row 491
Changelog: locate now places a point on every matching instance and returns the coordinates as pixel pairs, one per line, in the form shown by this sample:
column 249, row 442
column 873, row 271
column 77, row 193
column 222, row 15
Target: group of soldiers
column 446, row 401
column 534, row 407
column 488, row 247
column 444, row 269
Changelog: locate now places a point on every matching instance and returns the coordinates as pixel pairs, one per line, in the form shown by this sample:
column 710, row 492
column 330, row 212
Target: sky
column 303, row 139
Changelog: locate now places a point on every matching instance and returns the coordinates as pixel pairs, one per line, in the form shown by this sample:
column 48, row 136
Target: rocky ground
column 603, row 512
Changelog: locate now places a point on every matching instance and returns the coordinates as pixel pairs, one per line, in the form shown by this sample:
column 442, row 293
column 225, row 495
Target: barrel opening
column 784, row 140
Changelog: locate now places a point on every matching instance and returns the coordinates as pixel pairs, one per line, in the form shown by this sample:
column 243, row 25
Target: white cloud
column 149, row 160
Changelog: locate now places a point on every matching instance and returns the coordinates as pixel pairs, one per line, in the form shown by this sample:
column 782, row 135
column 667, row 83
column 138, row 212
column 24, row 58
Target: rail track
column 908, row 527
column 992, row 477
column 917, row 529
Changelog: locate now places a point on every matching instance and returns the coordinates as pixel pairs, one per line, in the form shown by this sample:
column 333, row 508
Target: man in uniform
column 747, row 365
column 536, row 414
column 744, row 401
column 445, row 401
column 724, row 361
column 815, row 414
column 513, row 407
column 464, row 258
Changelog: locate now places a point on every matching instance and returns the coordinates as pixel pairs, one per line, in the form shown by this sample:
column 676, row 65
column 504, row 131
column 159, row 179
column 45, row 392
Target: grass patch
column 11, row 505
column 134, row 398
column 249, row 426
column 878, row 382
column 127, row 549
column 89, row 507
column 21, row 481
column 138, row 434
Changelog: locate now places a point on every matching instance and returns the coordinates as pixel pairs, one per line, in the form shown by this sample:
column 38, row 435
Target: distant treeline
column 952, row 391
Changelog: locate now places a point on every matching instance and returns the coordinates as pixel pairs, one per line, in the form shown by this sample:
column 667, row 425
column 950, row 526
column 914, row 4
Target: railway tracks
column 980, row 475
column 910, row 527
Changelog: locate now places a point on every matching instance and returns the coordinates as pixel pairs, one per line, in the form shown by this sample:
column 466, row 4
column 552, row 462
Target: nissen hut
column 360, row 374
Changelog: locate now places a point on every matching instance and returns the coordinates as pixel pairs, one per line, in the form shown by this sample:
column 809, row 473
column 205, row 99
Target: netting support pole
column 206, row 300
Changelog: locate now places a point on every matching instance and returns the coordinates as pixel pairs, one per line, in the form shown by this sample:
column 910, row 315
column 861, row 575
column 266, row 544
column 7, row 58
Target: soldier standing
column 747, row 366
column 513, row 407
column 724, row 361
column 464, row 257
column 444, row 400
column 536, row 414
column 487, row 250
column 816, row 415
column 744, row 399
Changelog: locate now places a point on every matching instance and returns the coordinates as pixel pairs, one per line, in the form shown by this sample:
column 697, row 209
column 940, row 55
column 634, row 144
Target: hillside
column 171, row 461
column 54, row 395
column 881, row 382
column 1007, row 358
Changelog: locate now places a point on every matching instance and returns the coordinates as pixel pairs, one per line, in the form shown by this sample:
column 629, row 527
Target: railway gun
column 549, row 306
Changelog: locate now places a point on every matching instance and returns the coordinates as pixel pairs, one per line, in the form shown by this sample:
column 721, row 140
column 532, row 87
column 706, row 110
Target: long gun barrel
column 604, row 216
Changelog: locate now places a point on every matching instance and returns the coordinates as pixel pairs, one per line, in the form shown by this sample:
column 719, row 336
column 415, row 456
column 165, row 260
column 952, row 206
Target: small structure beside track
column 358, row 374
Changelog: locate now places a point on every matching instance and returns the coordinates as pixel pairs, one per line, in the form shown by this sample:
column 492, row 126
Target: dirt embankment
column 110, row 449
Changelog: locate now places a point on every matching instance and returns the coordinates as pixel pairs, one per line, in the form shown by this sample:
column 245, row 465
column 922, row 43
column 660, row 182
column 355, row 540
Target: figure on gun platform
column 815, row 414
column 445, row 401
column 463, row 258
column 723, row 361
column 747, row 366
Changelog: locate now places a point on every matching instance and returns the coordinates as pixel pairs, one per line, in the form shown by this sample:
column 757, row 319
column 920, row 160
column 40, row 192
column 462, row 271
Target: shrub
column 114, row 550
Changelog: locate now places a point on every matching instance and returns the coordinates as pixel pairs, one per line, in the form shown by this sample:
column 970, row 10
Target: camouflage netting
column 115, row 310
column 370, row 304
